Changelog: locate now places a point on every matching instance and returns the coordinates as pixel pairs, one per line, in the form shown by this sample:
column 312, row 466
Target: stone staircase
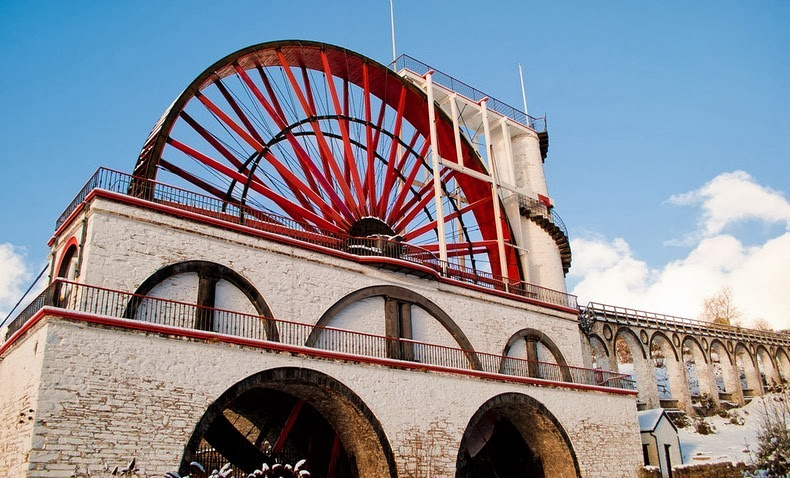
column 549, row 221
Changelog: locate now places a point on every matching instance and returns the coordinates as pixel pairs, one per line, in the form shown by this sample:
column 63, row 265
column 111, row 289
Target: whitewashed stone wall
column 125, row 245
column 20, row 375
column 106, row 395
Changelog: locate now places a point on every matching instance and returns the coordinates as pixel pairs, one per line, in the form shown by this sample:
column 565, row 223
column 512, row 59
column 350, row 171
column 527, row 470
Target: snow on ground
column 729, row 441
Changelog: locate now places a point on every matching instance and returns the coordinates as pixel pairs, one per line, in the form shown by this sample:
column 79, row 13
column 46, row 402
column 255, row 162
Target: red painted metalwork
column 328, row 138
column 330, row 472
column 192, row 206
column 289, row 424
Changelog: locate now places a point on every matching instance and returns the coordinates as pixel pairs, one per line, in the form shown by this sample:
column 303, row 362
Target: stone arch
column 661, row 335
column 67, row 263
column 783, row 364
column 631, row 333
column 530, row 439
column 729, row 386
column 643, row 371
column 767, row 366
column 701, row 371
column 209, row 274
column 749, row 373
column 723, row 347
column 363, row 444
column 396, row 295
column 602, row 355
column 674, row 389
column 699, row 350
column 68, row 269
column 532, row 337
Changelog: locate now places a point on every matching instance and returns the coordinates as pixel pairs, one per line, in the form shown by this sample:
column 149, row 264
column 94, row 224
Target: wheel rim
column 331, row 140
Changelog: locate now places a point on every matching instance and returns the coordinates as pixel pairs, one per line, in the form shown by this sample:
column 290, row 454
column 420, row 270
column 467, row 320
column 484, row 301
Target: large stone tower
column 315, row 257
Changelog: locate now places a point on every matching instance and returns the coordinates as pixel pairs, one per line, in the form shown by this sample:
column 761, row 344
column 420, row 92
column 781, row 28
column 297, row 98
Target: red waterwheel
column 330, row 140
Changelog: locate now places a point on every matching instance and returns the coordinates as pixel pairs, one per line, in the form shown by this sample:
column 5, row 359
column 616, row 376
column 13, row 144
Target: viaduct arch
column 675, row 361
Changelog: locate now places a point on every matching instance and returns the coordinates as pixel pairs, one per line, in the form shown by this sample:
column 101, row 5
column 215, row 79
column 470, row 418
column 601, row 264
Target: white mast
column 392, row 28
column 520, row 74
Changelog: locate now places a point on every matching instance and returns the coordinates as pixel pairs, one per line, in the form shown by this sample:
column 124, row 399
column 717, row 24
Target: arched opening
column 536, row 356
column 515, row 435
column 286, row 415
column 748, row 372
column 403, row 322
column 600, row 354
column 225, row 301
column 67, row 269
column 701, row 383
column 768, row 374
column 783, row 364
column 725, row 372
column 632, row 360
column 664, row 357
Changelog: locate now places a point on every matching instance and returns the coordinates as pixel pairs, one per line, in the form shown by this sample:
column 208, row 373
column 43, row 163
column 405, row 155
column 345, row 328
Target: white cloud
column 609, row 271
column 14, row 274
column 730, row 198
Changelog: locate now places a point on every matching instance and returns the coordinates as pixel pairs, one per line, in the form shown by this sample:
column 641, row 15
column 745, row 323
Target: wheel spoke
column 325, row 152
column 311, row 136
column 389, row 176
column 406, row 186
column 282, row 202
column 351, row 171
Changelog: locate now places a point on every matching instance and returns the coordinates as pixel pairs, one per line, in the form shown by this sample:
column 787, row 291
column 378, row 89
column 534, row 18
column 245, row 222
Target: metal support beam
column 437, row 187
column 495, row 194
column 456, row 130
column 289, row 424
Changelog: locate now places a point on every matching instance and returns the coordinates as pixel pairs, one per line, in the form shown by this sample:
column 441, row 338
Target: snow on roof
column 648, row 419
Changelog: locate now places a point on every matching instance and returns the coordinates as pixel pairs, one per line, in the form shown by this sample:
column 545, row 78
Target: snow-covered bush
column 702, row 427
column 773, row 437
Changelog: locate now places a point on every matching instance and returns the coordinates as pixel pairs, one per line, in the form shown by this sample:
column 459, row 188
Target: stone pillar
column 732, row 383
column 707, row 381
column 643, row 371
column 753, row 382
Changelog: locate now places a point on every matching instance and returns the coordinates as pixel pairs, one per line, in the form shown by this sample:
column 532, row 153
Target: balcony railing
column 640, row 318
column 100, row 301
column 408, row 63
column 279, row 226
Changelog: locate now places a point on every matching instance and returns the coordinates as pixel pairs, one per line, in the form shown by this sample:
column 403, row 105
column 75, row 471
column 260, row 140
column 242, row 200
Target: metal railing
column 112, row 303
column 212, row 207
column 537, row 208
column 640, row 318
column 405, row 62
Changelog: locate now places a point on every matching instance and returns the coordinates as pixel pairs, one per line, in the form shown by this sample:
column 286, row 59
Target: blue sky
column 644, row 101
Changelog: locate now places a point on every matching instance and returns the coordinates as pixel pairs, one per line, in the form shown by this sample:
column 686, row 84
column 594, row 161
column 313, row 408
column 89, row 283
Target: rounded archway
column 540, row 355
column 748, row 371
column 225, row 301
column 726, row 372
column 631, row 359
column 783, row 364
column 287, row 414
column 699, row 374
column 515, row 435
column 667, row 369
column 406, row 318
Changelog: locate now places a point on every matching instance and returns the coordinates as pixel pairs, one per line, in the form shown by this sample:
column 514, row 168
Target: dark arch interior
column 498, row 449
column 288, row 414
column 515, row 435
column 270, row 426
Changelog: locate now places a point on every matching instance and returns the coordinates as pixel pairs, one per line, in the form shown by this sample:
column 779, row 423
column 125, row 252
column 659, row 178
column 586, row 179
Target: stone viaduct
column 677, row 360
